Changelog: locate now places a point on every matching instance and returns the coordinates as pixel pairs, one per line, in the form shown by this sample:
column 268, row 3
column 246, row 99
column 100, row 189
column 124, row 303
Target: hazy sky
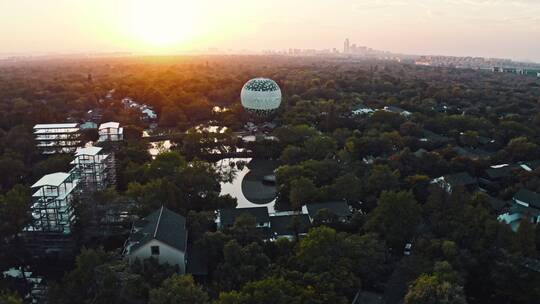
column 491, row 28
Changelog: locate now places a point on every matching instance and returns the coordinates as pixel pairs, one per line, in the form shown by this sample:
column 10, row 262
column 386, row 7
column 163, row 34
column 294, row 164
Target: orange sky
column 491, row 28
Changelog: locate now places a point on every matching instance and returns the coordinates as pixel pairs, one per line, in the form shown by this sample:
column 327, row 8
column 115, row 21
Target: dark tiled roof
column 339, row 208
column 162, row 225
column 228, row 216
column 460, row 179
column 529, row 197
column 283, row 225
column 432, row 136
column 366, row 297
column 395, row 109
column 420, row 152
column 533, row 165
column 497, row 204
column 502, row 172
column 472, row 153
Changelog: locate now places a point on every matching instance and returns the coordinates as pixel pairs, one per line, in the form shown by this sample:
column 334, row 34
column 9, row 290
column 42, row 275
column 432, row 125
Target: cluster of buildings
column 65, row 138
column 492, row 64
column 287, row 224
column 364, row 110
column 524, row 204
column 54, row 195
column 147, row 112
column 349, row 48
column 534, row 72
column 163, row 234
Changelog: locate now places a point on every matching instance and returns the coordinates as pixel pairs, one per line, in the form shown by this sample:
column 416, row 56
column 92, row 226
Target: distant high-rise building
column 346, row 46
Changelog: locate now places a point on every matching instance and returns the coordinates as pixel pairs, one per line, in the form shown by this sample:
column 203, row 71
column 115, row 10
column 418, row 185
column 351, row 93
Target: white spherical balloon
column 261, row 96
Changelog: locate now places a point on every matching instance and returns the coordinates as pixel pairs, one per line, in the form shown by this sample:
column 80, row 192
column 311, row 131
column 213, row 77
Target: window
column 155, row 250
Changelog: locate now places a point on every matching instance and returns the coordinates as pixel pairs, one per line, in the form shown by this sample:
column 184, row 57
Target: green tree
column 303, row 191
column 178, row 289
column 382, row 178
column 320, row 147
column 270, row 290
column 430, row 289
column 14, row 211
column 395, row 218
column 7, row 297
column 525, row 238
column 240, row 265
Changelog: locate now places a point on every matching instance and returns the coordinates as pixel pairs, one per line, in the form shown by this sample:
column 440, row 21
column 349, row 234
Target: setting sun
column 163, row 24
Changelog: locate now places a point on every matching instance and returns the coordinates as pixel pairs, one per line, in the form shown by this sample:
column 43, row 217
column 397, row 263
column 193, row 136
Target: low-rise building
column 526, row 205
column 57, row 138
column 95, row 168
column 161, row 235
column 339, row 208
column 289, row 226
column 362, row 110
column 452, row 181
column 397, row 110
column 227, row 217
column 110, row 132
column 49, row 231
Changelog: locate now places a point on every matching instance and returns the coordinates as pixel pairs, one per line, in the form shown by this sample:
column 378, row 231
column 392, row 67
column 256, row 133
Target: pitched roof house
column 161, row 235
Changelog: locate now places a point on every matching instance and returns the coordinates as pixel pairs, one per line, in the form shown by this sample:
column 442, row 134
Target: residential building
column 289, row 226
column 57, row 138
column 340, row 208
column 472, row 153
column 110, row 132
column 52, row 214
column 526, row 205
column 227, row 217
column 362, row 110
column 432, row 140
column 89, row 125
column 161, row 235
column 52, row 209
column 397, row 110
column 451, row 182
column 96, row 169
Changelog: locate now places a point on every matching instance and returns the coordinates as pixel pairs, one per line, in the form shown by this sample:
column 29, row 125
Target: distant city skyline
column 477, row 28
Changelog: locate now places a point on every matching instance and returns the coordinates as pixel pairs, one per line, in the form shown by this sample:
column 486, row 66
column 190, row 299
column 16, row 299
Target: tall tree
column 178, row 289
column 395, row 218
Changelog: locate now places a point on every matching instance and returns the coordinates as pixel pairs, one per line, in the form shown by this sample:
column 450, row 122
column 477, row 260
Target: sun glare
column 163, row 24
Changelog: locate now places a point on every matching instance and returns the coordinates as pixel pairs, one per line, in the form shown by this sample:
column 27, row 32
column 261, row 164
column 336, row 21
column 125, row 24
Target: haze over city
column 488, row 28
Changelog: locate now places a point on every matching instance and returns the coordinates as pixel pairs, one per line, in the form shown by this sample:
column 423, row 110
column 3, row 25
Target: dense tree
column 178, row 289
column 430, row 289
column 395, row 218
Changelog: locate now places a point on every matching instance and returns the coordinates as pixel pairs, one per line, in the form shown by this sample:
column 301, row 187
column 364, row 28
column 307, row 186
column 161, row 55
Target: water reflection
column 244, row 178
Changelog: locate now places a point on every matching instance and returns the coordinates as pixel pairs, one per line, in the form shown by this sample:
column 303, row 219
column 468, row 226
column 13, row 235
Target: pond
column 248, row 183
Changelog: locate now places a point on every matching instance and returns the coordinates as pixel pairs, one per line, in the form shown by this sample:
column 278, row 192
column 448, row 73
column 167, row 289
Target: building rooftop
column 111, row 124
column 56, row 126
column 163, row 225
column 530, row 165
column 472, row 153
column 501, row 171
column 54, row 179
column 460, row 179
column 339, row 208
column 529, row 197
column 228, row 216
column 88, row 151
column 285, row 224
